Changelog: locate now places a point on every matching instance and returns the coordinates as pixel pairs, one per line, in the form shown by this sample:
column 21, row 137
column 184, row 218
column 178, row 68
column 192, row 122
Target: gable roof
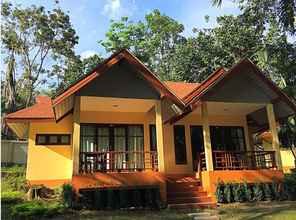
column 194, row 98
column 41, row 110
column 188, row 96
column 156, row 83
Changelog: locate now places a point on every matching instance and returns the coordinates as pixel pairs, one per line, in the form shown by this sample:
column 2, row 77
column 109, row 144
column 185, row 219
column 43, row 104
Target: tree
column 34, row 40
column 72, row 70
column 287, row 135
column 233, row 39
column 283, row 10
column 91, row 62
column 153, row 41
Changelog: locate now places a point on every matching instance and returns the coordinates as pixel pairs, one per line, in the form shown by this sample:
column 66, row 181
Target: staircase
column 185, row 192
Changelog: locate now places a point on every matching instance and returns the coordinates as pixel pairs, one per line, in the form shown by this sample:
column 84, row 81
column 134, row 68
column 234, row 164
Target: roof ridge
column 203, row 82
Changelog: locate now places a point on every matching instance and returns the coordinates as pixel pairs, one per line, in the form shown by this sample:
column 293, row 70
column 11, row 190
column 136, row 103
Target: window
column 53, row 139
column 153, row 141
column 115, row 137
column 228, row 138
column 180, row 144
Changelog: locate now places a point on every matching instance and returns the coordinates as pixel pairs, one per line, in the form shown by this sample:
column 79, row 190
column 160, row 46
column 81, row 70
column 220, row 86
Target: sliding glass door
column 123, row 144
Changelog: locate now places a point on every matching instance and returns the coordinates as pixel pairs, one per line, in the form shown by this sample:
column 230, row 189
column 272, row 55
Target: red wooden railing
column 117, row 161
column 239, row 160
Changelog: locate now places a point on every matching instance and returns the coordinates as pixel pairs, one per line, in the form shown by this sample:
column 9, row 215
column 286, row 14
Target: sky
column 91, row 18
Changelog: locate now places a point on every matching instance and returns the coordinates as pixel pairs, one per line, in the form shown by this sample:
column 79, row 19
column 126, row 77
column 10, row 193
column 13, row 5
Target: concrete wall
column 13, row 152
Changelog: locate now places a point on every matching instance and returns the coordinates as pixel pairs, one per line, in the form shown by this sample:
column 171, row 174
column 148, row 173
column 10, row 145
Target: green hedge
column 37, row 208
column 243, row 192
column 12, row 196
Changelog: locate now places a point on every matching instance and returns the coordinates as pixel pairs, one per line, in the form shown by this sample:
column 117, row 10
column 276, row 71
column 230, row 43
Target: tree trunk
column 10, row 92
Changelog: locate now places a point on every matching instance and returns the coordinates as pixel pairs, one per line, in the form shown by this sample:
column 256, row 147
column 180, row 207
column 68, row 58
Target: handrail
column 117, row 161
column 239, row 160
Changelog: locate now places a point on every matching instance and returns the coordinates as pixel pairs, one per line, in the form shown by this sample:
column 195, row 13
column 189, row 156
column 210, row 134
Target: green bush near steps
column 243, row 192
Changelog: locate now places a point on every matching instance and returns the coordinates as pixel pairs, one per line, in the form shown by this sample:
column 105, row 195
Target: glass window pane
column 135, row 130
column 103, row 131
column 53, row 139
column 180, row 144
column 119, row 131
column 88, row 130
column 41, row 139
column 65, row 139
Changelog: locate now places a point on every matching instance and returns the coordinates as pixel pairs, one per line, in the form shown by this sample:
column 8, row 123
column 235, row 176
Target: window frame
column 47, row 137
column 184, row 161
column 234, row 138
column 112, row 135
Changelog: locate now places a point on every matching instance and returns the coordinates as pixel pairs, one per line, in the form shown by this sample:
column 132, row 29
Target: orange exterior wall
column 210, row 179
column 49, row 163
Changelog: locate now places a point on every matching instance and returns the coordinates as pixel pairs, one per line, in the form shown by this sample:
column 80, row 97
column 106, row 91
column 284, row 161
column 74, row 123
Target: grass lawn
column 13, row 184
column 282, row 210
column 251, row 211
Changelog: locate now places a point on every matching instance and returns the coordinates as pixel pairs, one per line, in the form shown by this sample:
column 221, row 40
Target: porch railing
column 117, row 161
column 239, row 160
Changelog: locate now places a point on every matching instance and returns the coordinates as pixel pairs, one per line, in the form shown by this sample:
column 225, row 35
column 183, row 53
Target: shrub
column 36, row 209
column 247, row 191
column 12, row 196
column 239, row 193
column 220, row 192
column 258, row 192
column 275, row 191
column 13, row 179
column 289, row 185
column 68, row 195
column 228, row 193
column 267, row 191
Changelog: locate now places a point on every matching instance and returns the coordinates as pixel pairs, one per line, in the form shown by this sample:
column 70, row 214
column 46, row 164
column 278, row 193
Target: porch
column 134, row 161
column 118, row 161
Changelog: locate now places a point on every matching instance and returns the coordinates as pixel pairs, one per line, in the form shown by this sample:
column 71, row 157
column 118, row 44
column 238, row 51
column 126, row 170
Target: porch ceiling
column 227, row 108
column 106, row 104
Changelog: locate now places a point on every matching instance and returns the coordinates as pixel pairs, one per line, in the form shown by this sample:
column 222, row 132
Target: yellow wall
column 195, row 119
column 49, row 162
column 286, row 155
column 54, row 162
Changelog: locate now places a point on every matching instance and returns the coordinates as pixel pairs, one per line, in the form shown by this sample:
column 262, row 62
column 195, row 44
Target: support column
column 76, row 135
column 207, row 137
column 159, row 136
column 275, row 137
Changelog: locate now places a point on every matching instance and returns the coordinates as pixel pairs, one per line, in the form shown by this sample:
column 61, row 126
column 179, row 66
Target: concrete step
column 184, row 188
column 181, row 200
column 174, row 194
column 193, row 205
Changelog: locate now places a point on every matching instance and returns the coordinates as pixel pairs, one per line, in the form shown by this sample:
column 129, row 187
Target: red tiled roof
column 182, row 89
column 204, row 85
column 41, row 110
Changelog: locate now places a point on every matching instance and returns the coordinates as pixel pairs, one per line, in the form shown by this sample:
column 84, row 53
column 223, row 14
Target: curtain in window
column 88, row 138
column 120, row 147
column 136, row 144
column 103, row 139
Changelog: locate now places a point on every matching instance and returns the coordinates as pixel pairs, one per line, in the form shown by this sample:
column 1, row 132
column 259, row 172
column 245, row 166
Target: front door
column 196, row 144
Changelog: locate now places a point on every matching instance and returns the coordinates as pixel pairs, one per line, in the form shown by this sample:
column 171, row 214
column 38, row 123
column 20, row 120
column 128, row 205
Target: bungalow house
column 122, row 126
